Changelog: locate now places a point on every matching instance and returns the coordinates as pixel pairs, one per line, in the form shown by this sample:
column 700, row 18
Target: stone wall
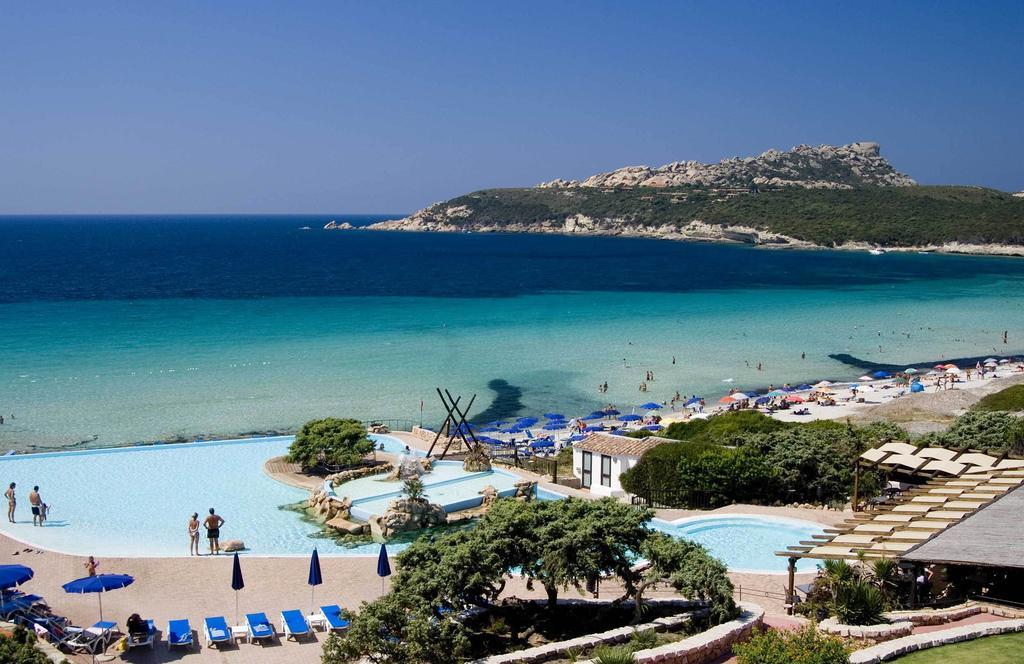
column 708, row 646
column 869, row 634
column 883, row 652
column 558, row 649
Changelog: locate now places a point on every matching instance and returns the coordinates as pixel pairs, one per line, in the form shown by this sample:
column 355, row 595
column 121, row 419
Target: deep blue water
column 96, row 258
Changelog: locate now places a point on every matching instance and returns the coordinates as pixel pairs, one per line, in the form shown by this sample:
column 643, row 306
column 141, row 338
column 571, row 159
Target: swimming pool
column 136, row 501
column 745, row 542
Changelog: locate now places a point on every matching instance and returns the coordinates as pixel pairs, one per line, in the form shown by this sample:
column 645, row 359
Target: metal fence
column 393, row 423
column 539, row 465
column 674, row 499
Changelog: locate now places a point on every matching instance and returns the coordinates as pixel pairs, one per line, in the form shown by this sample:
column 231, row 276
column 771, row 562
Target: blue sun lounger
column 333, row 618
column 259, row 627
column 294, row 624
column 179, row 633
column 216, row 631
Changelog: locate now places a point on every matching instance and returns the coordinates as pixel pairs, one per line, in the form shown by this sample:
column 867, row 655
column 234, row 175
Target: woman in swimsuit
column 12, row 502
column 193, row 535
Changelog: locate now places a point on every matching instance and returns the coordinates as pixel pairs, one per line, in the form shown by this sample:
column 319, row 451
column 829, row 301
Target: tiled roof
column 606, row 443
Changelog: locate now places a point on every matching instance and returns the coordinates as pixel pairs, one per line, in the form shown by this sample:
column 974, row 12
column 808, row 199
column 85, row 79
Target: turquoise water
column 114, row 331
column 746, row 542
column 111, row 372
column 137, row 502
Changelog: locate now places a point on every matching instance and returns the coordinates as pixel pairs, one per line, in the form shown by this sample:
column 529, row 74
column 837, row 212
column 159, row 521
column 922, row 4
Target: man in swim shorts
column 37, row 507
column 213, row 524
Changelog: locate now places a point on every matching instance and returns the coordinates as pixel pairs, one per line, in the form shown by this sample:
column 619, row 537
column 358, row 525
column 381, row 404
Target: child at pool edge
column 91, row 566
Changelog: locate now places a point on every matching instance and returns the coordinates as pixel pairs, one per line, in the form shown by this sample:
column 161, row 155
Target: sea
column 126, row 329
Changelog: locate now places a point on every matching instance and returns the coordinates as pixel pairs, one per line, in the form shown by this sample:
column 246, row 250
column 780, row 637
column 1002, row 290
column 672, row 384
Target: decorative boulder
column 232, row 545
column 525, row 490
column 477, row 461
column 405, row 514
column 490, row 494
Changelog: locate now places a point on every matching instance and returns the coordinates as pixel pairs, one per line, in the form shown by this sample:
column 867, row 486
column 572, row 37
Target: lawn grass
column 1002, row 649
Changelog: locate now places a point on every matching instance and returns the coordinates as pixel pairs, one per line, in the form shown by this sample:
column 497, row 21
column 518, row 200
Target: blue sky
column 374, row 106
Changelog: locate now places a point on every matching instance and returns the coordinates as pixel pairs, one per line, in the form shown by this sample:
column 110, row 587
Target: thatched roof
column 992, row 536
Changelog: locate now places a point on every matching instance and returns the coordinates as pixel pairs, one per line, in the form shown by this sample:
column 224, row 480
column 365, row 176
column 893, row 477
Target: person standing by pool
column 213, row 524
column 193, row 535
column 90, row 566
column 12, row 502
column 37, row 507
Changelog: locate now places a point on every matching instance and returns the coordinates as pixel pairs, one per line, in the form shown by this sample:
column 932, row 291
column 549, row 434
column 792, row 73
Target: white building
column 600, row 458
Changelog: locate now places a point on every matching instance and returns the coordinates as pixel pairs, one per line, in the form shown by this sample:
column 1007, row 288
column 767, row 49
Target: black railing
column 674, row 499
column 534, row 464
column 393, row 423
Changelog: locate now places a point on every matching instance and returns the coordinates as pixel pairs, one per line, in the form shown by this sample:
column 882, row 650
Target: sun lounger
column 259, row 627
column 294, row 624
column 179, row 633
column 147, row 639
column 216, row 631
column 92, row 639
column 333, row 618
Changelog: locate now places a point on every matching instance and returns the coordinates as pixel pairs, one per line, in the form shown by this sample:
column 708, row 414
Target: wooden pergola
column 916, row 516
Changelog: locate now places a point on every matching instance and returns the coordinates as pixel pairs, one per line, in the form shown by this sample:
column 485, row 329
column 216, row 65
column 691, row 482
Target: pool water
column 447, row 484
column 136, row 501
column 745, row 542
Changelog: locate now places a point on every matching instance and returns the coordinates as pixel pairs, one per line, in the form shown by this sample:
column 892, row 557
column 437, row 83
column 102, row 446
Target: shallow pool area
column 447, row 484
column 745, row 542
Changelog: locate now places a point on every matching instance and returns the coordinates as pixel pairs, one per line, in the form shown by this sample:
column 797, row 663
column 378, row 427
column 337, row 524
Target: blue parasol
column 554, row 416
column 543, row 442
column 804, row 386
column 14, row 575
column 527, row 421
column 693, row 400
column 650, row 405
column 98, row 584
column 315, row 578
column 631, row 418
column 596, row 415
column 237, row 582
column 610, row 412
column 761, row 401
column 383, row 567
column 555, row 425
column 880, row 374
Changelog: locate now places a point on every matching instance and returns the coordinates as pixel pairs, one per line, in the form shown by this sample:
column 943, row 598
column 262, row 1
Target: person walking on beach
column 12, row 502
column 90, row 566
column 213, row 524
column 193, row 535
column 37, row 507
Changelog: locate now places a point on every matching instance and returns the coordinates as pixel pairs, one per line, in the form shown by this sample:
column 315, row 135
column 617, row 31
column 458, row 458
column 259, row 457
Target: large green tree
column 331, row 441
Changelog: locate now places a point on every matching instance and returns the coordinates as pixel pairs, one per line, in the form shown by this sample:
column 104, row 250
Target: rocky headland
column 840, row 197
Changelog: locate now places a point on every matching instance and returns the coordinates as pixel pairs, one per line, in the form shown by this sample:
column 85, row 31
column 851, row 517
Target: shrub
column 722, row 429
column 331, row 441
column 413, row 488
column 860, row 603
column 806, row 646
column 990, row 432
column 1011, row 400
column 613, row 655
column 19, row 648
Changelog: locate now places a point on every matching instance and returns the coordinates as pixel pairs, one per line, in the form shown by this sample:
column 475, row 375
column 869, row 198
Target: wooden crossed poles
column 456, row 417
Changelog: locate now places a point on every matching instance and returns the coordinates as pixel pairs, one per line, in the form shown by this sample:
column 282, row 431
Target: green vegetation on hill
column 890, row 216
column 1010, row 400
